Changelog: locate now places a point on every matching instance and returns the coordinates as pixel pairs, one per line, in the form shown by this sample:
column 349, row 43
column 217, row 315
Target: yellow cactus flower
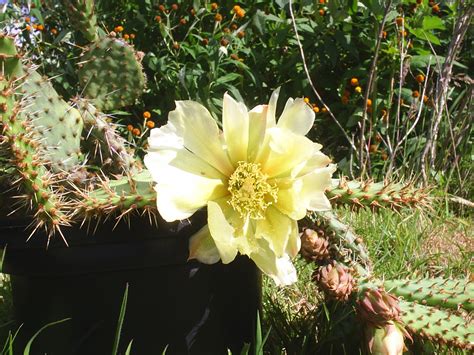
column 257, row 178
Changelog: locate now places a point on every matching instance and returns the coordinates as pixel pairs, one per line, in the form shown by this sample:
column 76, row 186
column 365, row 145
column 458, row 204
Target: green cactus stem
column 111, row 74
column 10, row 60
column 344, row 243
column 19, row 138
column 438, row 292
column 117, row 198
column 105, row 146
column 58, row 124
column 368, row 194
column 438, row 326
column 81, row 13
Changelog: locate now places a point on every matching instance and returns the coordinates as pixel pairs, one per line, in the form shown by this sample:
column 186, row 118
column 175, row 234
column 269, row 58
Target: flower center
column 250, row 191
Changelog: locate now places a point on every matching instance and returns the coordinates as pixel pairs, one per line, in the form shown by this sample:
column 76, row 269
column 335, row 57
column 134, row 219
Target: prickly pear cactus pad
column 10, row 60
column 59, row 124
column 438, row 292
column 81, row 13
column 438, row 326
column 110, row 74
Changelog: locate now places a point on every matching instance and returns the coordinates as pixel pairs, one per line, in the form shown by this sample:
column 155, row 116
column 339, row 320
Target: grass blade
column 120, row 321
column 30, row 342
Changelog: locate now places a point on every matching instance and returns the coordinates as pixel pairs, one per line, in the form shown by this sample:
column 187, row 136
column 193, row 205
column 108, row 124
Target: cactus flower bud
column 387, row 340
column 378, row 307
column 335, row 280
column 314, row 247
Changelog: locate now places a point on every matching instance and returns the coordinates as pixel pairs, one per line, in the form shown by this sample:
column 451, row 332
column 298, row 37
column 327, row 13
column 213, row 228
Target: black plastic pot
column 190, row 307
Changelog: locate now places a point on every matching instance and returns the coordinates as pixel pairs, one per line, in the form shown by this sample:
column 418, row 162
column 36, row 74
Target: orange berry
column 234, row 56
column 435, row 9
column 384, row 34
column 205, row 41
column 321, row 12
column 315, row 109
column 234, row 27
column 322, row 1
column 118, row 28
column 403, row 33
column 27, row 19
column 358, row 89
column 28, row 27
column 420, row 78
column 241, row 34
column 384, row 156
column 415, row 93
column 224, row 42
column 158, row 18
column 373, row 148
column 240, row 13
column 40, row 27
column 146, row 114
column 126, row 37
column 150, row 124
column 369, row 102
column 218, row 17
column 214, row 6
column 324, row 110
column 236, row 8
column 136, row 131
column 161, row 8
column 129, row 128
column 132, row 35
column 354, row 81
column 425, row 99
column 176, row 45
column 192, row 11
column 54, row 31
column 174, row 7
column 35, row 27
column 182, row 21
column 226, row 30
column 399, row 21
column 306, row 99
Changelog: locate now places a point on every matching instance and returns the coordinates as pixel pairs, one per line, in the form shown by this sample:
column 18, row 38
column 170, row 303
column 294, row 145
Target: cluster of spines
column 438, row 292
column 34, row 179
column 369, row 194
column 105, row 146
column 117, row 197
column 438, row 326
column 344, row 243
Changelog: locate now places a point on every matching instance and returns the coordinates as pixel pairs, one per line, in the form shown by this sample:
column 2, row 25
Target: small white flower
column 257, row 178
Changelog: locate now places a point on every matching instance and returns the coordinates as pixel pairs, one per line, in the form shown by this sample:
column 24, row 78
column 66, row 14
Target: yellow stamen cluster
column 250, row 191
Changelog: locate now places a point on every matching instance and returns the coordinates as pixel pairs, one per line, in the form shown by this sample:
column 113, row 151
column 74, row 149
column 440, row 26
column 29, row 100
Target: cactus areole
column 189, row 306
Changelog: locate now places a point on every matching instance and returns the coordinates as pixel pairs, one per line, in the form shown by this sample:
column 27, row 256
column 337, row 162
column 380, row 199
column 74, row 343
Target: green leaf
column 120, row 322
column 433, row 23
column 425, row 36
column 228, row 77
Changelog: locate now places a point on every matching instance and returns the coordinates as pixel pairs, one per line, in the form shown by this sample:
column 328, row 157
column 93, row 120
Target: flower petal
column 314, row 185
column 257, row 128
column 281, row 270
column 282, row 151
column 203, row 248
column 297, row 116
column 200, row 134
column 235, row 122
column 272, row 106
column 180, row 192
column 276, row 228
column 221, row 231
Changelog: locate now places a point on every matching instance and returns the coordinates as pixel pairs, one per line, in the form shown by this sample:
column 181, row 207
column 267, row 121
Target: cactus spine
column 81, row 13
column 368, row 194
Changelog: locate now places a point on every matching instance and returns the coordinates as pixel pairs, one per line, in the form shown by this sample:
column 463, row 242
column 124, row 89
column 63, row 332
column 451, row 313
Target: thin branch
column 308, row 76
